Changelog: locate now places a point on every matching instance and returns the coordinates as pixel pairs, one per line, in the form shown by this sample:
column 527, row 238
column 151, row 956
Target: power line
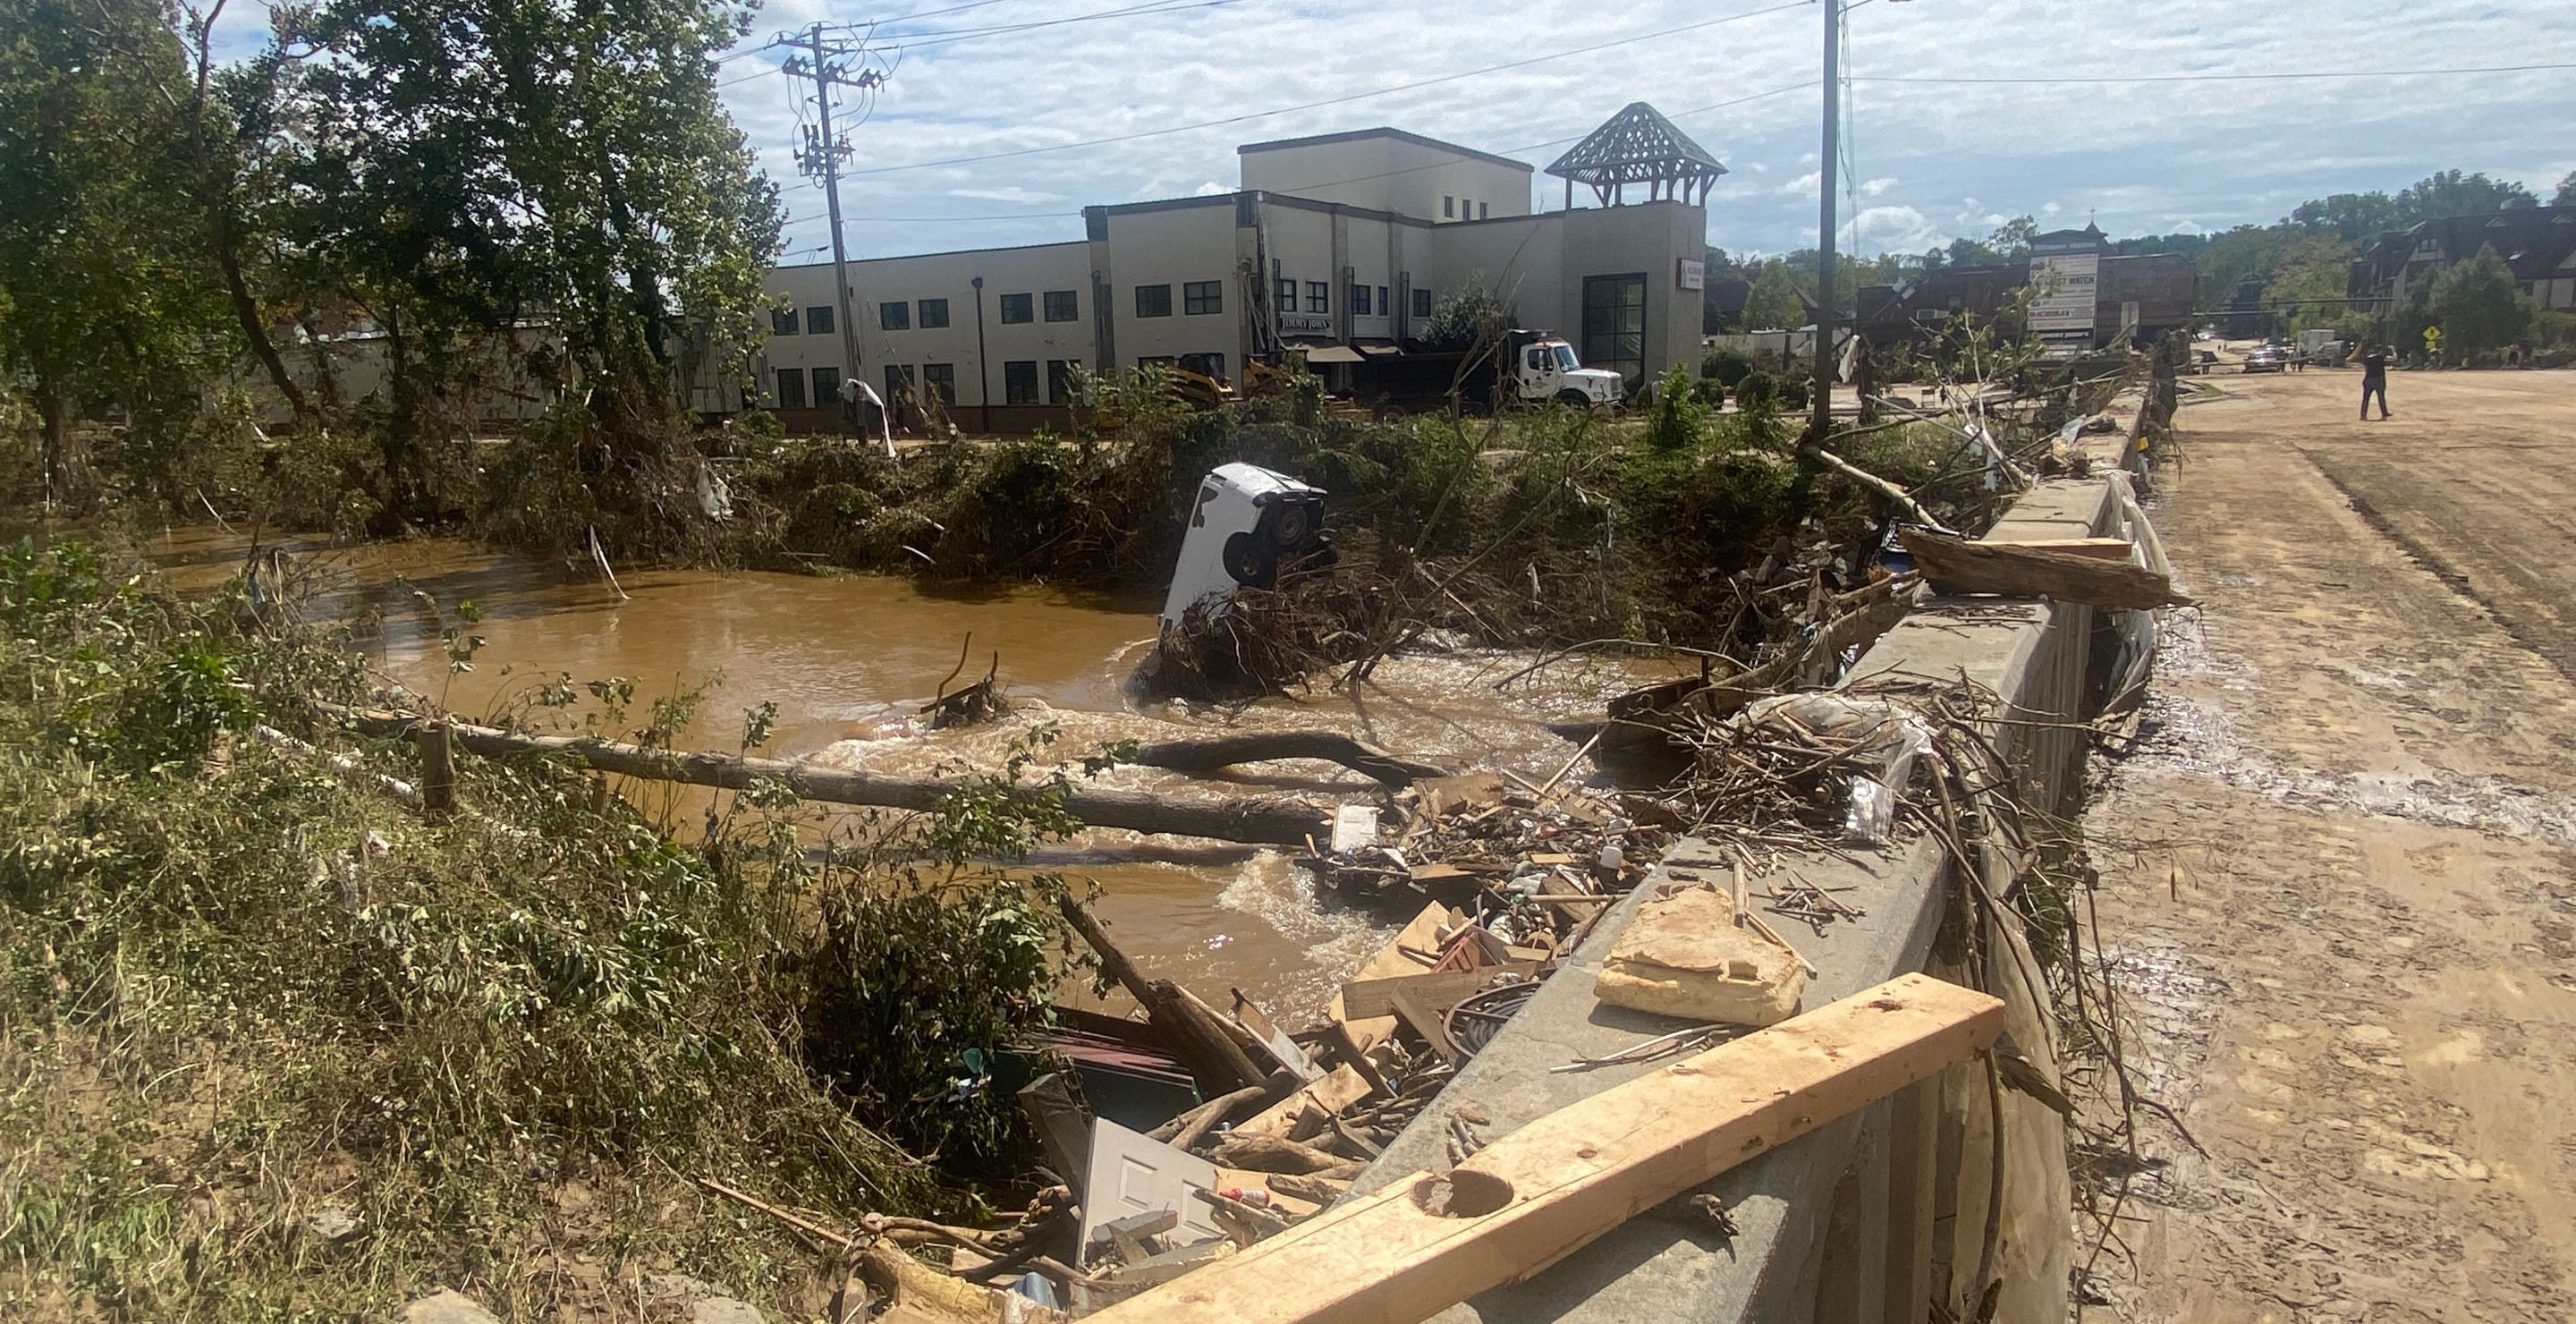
column 2227, row 78
column 914, row 40
column 1333, row 101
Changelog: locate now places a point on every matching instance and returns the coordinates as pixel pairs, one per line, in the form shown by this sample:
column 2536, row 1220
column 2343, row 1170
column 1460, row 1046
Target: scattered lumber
column 2102, row 549
column 1533, row 1197
column 1956, row 565
column 1260, row 820
column 1438, row 990
column 1264, row 746
column 1261, row 1153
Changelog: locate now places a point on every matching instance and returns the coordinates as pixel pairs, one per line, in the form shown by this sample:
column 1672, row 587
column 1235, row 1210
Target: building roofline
column 944, row 252
column 1383, row 131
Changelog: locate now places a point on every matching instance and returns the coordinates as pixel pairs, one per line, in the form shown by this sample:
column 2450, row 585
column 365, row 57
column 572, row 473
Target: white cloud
column 1212, row 188
column 1875, row 187
column 1803, row 186
column 1897, row 230
column 1007, row 193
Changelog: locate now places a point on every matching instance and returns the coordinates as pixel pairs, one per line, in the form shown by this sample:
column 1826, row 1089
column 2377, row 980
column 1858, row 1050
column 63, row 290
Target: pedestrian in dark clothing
column 2374, row 379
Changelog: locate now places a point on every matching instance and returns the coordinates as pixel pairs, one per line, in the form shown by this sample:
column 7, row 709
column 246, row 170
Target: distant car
column 2268, row 358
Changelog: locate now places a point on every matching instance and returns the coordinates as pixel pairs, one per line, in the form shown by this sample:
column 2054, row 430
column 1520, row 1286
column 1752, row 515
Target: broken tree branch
column 1262, row 746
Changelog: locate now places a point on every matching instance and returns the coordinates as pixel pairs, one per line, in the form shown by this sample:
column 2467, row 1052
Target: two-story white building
column 1341, row 244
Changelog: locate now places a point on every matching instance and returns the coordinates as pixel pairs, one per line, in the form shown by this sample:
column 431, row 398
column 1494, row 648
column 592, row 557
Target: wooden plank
column 1422, row 933
column 1439, row 990
column 1408, row 1003
column 1336, row 1090
column 2104, row 549
column 1544, row 1191
column 1955, row 565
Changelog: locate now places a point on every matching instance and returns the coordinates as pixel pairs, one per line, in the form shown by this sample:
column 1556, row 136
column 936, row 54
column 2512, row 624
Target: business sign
column 1691, row 274
column 2061, row 309
column 1306, row 322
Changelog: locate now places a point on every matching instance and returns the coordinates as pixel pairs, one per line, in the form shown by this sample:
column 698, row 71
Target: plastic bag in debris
column 1885, row 740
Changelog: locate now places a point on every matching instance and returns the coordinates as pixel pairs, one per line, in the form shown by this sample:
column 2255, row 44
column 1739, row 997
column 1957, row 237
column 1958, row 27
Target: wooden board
column 2105, row 549
column 1539, row 1194
column 1338, row 1089
column 1438, row 990
column 1955, row 565
column 1421, row 934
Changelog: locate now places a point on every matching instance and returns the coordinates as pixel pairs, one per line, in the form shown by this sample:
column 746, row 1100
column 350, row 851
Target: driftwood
column 1258, row 747
column 1216, row 1062
column 1262, row 820
column 1956, row 565
column 1260, row 1153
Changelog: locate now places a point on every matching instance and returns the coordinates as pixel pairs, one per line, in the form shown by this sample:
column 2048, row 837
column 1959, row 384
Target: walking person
column 2374, row 380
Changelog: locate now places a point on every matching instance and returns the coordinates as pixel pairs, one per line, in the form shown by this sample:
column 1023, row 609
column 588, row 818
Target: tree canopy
column 2480, row 306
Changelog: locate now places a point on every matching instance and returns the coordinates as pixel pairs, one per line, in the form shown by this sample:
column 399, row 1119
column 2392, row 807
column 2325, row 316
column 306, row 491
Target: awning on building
column 1385, row 349
column 1333, row 354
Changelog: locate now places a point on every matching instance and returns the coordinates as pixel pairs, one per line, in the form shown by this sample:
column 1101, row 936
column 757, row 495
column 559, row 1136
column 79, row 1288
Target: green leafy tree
column 2480, row 307
column 107, row 291
column 2566, row 192
column 1773, row 303
column 453, row 168
column 1464, row 316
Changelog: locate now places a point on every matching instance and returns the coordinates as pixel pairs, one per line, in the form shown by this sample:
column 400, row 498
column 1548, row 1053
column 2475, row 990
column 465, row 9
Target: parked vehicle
column 1535, row 367
column 2266, row 358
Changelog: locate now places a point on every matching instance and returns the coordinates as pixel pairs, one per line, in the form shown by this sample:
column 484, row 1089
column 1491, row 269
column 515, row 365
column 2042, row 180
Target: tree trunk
column 57, row 409
column 1330, row 746
column 1263, row 820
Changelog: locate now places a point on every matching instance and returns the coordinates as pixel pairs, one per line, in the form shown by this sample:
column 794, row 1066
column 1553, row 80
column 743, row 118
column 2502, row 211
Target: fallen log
column 1531, row 1198
column 1263, row 746
column 1260, row 820
column 1955, row 565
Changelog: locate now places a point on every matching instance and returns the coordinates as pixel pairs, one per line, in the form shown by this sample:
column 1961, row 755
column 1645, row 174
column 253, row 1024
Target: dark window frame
column 1018, row 308
column 940, row 379
column 1202, row 298
column 1285, row 294
column 1059, row 380
column 894, row 315
column 1422, row 301
column 1063, row 305
column 1319, row 297
column 1620, row 347
column 1154, row 300
column 818, row 319
column 782, row 321
column 827, row 388
column 1360, row 304
column 929, row 309
column 1019, row 381
column 790, row 382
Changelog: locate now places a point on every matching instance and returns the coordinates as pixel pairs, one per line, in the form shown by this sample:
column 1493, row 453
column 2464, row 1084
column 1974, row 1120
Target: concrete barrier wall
column 1879, row 1215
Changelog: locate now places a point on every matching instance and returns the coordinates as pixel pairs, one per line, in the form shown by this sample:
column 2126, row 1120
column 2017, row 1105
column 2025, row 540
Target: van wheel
column 1387, row 413
column 1573, row 399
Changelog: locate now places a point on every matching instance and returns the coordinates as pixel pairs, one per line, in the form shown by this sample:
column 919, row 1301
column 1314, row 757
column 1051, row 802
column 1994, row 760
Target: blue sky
column 1932, row 161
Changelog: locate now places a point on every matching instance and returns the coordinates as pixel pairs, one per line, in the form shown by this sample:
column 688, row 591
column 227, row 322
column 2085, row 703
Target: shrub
column 1726, row 367
column 1679, row 416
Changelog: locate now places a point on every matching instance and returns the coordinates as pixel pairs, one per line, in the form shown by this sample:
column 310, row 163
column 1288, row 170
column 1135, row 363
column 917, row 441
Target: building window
column 818, row 321
column 1287, row 294
column 895, row 316
column 1359, row 301
column 827, row 387
column 898, row 382
column 1385, row 308
column 1205, row 365
column 1614, row 325
column 791, row 386
column 1158, row 361
column 1422, row 303
column 934, row 313
column 1063, row 306
column 1448, row 206
column 1203, row 296
column 1319, row 297
column 1060, row 381
column 782, row 321
column 1015, row 309
column 1020, row 382
column 1153, row 301
column 940, row 379
column 1484, row 210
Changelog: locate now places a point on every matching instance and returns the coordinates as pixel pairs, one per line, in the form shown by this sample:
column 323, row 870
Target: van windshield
column 1565, row 358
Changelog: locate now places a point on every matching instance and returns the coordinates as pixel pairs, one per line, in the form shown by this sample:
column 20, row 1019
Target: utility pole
column 823, row 155
column 1820, row 425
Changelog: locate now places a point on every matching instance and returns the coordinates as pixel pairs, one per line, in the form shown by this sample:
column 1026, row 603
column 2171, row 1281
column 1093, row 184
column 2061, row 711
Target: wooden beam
column 2100, row 549
column 1537, row 1195
column 1263, row 746
column 1955, row 565
column 1437, row 990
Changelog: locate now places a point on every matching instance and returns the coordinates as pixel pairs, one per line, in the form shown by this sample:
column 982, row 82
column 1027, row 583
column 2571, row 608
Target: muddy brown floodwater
column 850, row 659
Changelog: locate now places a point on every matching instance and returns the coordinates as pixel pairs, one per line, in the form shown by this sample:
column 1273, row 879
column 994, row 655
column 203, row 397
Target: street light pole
column 1822, row 422
column 983, row 377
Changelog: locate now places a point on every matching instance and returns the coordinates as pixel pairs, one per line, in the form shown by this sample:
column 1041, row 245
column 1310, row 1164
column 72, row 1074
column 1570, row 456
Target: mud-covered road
column 2341, row 873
